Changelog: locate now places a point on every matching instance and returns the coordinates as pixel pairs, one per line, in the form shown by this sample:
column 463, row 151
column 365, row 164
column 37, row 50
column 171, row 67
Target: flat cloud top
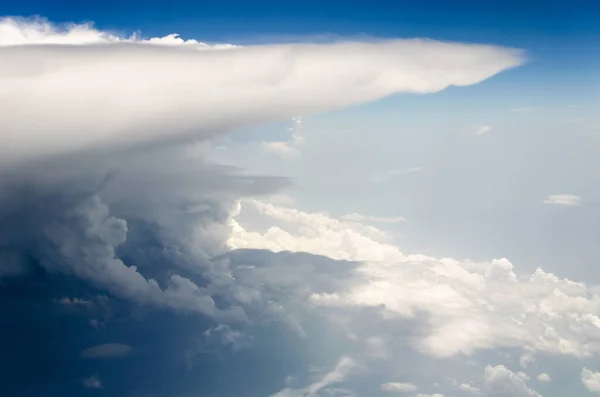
column 58, row 83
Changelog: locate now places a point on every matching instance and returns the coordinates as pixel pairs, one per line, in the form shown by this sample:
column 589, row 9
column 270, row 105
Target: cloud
column 387, row 176
column 107, row 351
column 468, row 387
column 92, row 382
column 544, row 377
column 591, row 380
column 316, row 233
column 103, row 194
column 345, row 367
column 354, row 217
column 467, row 306
column 140, row 91
column 398, row 387
column 500, row 382
column 481, row 129
column 569, row 200
column 281, row 148
column 291, row 147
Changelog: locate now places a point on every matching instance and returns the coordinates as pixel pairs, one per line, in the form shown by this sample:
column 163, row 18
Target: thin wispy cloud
column 568, row 200
column 481, row 129
column 389, row 175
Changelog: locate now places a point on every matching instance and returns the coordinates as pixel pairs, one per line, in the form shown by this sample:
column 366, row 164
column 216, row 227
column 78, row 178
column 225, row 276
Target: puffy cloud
column 544, row 377
column 92, row 382
column 469, row 306
column 502, row 382
column 398, row 387
column 569, row 200
column 107, row 351
column 288, row 148
column 140, row 91
column 591, row 379
column 313, row 233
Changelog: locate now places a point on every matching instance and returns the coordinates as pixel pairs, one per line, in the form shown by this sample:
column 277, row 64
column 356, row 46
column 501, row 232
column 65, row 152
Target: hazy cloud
column 107, row 351
column 569, row 200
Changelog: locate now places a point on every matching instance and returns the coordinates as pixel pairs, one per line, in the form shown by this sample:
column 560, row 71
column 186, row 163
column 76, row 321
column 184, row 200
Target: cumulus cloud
column 107, row 351
column 501, row 381
column 470, row 305
column 568, row 200
column 544, row 377
column 140, row 91
column 93, row 382
column 398, row 387
column 288, row 148
column 591, row 379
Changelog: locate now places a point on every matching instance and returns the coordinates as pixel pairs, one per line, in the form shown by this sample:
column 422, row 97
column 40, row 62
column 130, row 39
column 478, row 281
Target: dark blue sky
column 506, row 22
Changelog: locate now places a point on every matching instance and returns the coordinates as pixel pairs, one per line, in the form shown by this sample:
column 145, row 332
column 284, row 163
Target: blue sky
column 410, row 218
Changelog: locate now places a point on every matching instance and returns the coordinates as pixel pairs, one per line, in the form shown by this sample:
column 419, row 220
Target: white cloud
column 470, row 305
column 468, row 387
column 354, row 217
column 569, row 200
column 501, row 381
column 313, row 233
column 147, row 92
column 591, row 380
column 283, row 149
column 481, row 129
column 345, row 367
column 398, row 387
column 544, row 377
column 92, row 382
column 288, row 148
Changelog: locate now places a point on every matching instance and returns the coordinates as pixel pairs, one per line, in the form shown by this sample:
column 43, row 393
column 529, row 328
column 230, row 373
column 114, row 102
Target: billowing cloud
column 501, row 381
column 96, row 187
column 544, row 377
column 568, row 200
column 469, row 305
column 591, row 379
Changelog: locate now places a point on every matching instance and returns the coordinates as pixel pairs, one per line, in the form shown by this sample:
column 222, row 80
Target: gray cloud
column 107, row 351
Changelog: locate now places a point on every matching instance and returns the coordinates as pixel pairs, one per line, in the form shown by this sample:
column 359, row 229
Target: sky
column 299, row 199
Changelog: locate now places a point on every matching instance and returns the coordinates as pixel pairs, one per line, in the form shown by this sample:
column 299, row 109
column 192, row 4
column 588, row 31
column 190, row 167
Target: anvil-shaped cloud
column 74, row 88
